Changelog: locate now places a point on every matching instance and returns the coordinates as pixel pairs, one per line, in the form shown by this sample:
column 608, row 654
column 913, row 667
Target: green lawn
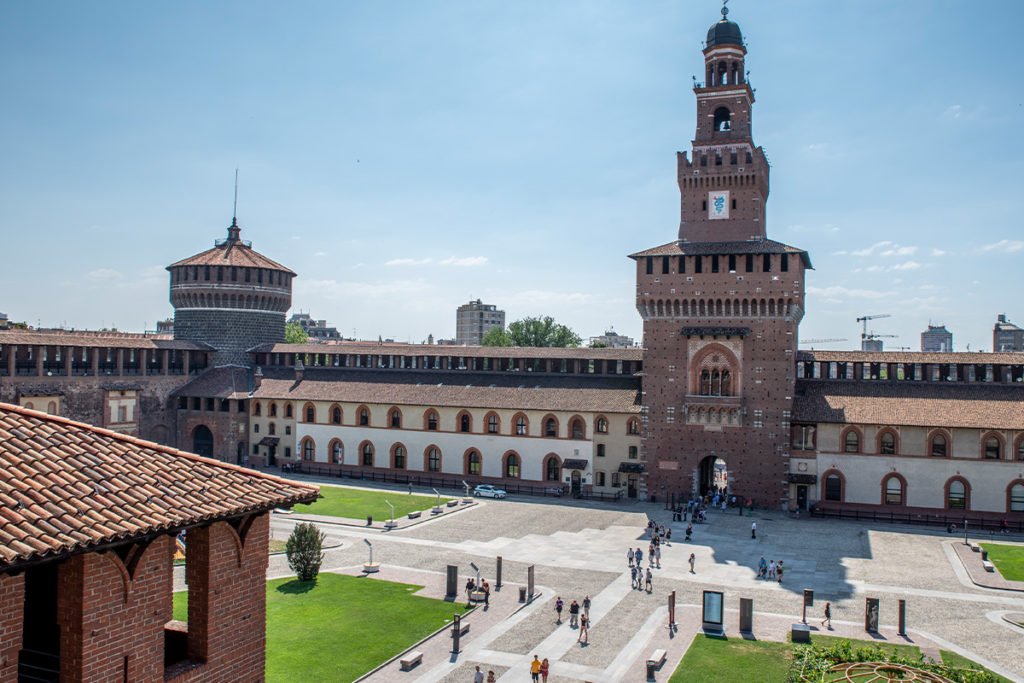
column 1008, row 559
column 338, row 501
column 733, row 660
column 342, row 627
column 953, row 659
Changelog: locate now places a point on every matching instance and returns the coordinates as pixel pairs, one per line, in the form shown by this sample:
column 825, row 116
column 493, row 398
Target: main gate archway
column 713, row 476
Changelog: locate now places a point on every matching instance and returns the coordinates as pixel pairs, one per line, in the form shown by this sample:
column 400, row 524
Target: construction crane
column 865, row 319
column 866, row 342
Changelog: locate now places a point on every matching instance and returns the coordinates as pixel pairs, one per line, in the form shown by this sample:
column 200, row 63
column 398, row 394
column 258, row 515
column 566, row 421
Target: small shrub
column 305, row 551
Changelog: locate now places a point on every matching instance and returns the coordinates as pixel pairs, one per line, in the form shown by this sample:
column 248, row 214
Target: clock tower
column 721, row 307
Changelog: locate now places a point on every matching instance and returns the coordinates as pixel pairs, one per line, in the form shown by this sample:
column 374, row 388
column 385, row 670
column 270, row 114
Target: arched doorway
column 202, row 441
column 713, row 476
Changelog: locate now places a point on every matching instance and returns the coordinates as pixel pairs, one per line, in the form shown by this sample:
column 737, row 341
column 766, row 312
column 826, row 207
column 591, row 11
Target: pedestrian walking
column 586, row 606
column 762, row 568
column 633, row 572
column 490, row 676
column 650, row 581
column 668, row 537
column 487, row 595
column 778, row 571
column 753, row 529
column 771, row 570
column 558, row 609
column 689, row 530
column 629, row 557
column 828, row 616
column 693, row 561
column 584, row 630
column 574, row 614
column 535, row 669
column 545, row 668
column 639, row 555
column 478, row 676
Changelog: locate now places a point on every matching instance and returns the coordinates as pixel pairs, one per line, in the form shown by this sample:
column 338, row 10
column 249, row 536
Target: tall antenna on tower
column 234, row 210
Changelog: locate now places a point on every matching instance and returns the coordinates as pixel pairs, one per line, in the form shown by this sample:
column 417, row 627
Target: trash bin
column 369, row 520
column 651, row 668
column 522, row 594
column 984, row 555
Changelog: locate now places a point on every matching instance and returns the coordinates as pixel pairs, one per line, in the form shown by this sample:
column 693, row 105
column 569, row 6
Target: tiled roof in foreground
column 67, row 486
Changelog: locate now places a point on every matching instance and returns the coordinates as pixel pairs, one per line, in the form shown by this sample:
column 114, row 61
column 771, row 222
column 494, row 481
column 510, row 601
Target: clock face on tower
column 718, row 204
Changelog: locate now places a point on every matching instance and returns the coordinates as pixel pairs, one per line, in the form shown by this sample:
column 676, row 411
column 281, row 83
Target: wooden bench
column 800, row 633
column 657, row 658
column 989, row 567
column 414, row 515
column 410, row 660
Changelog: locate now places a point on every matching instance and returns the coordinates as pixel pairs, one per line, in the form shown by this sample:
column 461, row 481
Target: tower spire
column 234, row 232
column 725, row 10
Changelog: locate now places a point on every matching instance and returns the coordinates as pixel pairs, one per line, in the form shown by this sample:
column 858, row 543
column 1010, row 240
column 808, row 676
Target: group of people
column 484, row 587
column 539, row 669
column 579, row 617
column 478, row 676
column 770, row 571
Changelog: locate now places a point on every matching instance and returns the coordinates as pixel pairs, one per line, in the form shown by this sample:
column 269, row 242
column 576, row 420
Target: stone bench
column 452, row 503
column 975, row 547
column 410, row 660
column 657, row 658
column 415, row 515
column 463, row 627
column 989, row 567
column 800, row 633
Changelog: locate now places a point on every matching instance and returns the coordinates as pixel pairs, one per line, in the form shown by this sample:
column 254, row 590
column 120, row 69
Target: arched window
column 633, row 426
column 398, row 456
column 364, row 416
column 308, row 449
column 553, row 468
column 288, row 410
column 430, row 420
column 705, row 383
column 273, row 410
column 395, row 418
column 272, row 428
column 493, row 424
column 512, row 465
column 367, row 452
column 578, row 428
column 834, row 488
column 522, row 425
column 473, row 462
column 723, row 116
column 893, row 490
column 465, row 422
column 337, row 452
column 993, row 447
column 257, row 409
column 309, row 413
column 887, row 443
column 851, row 441
column 336, row 415
column 601, row 425
column 937, row 445
column 51, row 408
column 1016, row 497
column 957, row 494
column 550, row 427
column 433, row 459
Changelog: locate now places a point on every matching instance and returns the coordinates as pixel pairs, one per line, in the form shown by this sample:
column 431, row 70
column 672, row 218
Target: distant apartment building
column 474, row 320
column 612, row 340
column 937, row 339
column 4, row 321
column 316, row 329
column 1006, row 336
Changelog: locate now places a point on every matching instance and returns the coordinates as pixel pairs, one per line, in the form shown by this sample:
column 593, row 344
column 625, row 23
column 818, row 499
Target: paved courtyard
column 580, row 549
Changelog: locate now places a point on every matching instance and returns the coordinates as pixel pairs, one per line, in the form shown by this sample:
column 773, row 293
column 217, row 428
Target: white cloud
column 464, row 261
column 320, row 253
column 885, row 248
column 407, row 262
column 839, row 292
column 872, row 249
column 907, row 265
column 897, row 250
column 938, row 252
column 953, row 112
column 335, row 290
column 1005, row 246
column 103, row 275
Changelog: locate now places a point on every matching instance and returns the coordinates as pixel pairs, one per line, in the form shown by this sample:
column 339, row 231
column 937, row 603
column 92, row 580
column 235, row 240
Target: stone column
column 39, row 361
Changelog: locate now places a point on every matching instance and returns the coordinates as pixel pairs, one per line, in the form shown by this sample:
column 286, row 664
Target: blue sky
column 404, row 157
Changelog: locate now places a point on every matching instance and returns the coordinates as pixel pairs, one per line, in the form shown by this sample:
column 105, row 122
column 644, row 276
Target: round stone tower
column 230, row 297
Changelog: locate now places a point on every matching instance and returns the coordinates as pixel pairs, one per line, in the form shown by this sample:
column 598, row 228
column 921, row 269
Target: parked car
column 489, row 491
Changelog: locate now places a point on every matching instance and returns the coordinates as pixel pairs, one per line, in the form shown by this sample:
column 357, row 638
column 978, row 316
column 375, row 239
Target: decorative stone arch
column 882, row 442
column 549, row 426
column 552, row 468
column 464, row 422
column 336, row 452
column 364, row 418
column 399, row 456
column 433, row 458
column 894, row 476
column 851, row 440
column 988, row 447
column 431, row 420
column 824, row 485
column 577, row 428
column 600, row 424
column 394, row 417
column 715, row 371
column 1010, row 495
column 472, row 467
column 512, row 465
column 309, row 412
column 950, row 486
column 307, row 449
column 336, row 414
column 939, row 443
column 520, row 425
column 367, row 452
column 492, row 422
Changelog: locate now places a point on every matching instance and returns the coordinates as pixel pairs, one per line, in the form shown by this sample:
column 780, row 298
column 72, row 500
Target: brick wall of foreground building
column 12, row 601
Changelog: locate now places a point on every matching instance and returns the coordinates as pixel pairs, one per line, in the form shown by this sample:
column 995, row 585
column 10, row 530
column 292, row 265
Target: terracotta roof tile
column 114, row 340
column 231, row 253
column 910, row 404
column 67, row 486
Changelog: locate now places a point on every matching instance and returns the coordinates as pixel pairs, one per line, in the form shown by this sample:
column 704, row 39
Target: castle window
column 398, row 457
column 492, row 424
column 577, row 429
column 851, row 443
column 601, row 425
column 310, row 413
column 732, row 263
column 802, row 437
column 368, row 454
column 521, row 426
column 887, row 443
column 767, row 263
column 600, row 450
column 431, row 421
column 723, row 122
column 833, row 488
column 634, row 452
column 465, row 423
column 551, row 427
column 956, row 495
column 337, row 452
column 992, row 448
column 336, row 415
column 750, row 263
column 650, row 265
column 288, row 410
column 1017, row 498
column 512, row 466
column 783, row 261
column 682, row 259
column 893, row 490
column 698, row 264
column 308, row 449
column 714, row 263
column 364, row 417
column 395, row 418
column 273, row 410
column 734, row 159
column 664, row 265
column 433, row 460
column 633, row 426
column 473, row 463
column 938, row 446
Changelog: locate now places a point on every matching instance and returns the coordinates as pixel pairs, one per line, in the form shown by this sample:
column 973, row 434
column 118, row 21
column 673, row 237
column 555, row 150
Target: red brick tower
column 721, row 307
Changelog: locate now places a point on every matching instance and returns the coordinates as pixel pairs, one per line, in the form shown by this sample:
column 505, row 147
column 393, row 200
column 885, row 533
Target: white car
column 489, row 491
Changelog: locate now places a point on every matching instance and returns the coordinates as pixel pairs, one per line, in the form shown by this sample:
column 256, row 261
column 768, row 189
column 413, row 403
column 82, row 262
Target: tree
column 294, row 334
column 496, row 336
column 533, row 332
column 305, row 551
